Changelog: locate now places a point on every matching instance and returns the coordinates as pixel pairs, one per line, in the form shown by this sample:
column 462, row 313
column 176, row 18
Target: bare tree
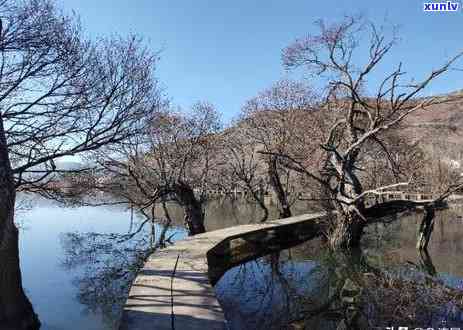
column 278, row 121
column 60, row 96
column 173, row 160
column 242, row 168
column 365, row 114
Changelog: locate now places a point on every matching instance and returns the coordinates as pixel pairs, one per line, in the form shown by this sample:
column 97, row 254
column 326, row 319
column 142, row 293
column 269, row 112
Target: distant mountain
column 61, row 165
column 439, row 122
column 438, row 129
column 68, row 165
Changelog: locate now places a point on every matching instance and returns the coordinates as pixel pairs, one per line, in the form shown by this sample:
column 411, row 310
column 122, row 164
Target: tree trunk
column 16, row 312
column 348, row 228
column 194, row 215
column 166, row 226
column 426, row 263
column 349, row 221
column 259, row 198
column 426, row 228
column 275, row 182
column 265, row 209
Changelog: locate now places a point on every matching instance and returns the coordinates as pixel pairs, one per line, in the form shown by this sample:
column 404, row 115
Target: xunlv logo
column 441, row 6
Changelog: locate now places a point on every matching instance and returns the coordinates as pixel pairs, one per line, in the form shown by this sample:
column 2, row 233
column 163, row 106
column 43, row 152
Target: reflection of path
column 194, row 303
column 274, row 292
column 268, row 294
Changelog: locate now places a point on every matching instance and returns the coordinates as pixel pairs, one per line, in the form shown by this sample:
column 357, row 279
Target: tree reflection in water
column 293, row 290
column 387, row 284
column 269, row 292
column 105, row 265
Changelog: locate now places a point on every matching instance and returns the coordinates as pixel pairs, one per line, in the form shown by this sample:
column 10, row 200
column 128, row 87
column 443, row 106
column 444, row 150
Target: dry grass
column 392, row 301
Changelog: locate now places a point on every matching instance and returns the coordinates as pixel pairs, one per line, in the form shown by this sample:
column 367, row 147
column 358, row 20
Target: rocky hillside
column 441, row 124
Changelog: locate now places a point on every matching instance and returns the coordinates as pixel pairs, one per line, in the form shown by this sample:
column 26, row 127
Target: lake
column 74, row 270
column 77, row 268
column 301, row 286
column 54, row 273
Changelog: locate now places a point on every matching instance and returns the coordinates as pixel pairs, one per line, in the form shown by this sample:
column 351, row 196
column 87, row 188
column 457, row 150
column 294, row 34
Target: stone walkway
column 160, row 299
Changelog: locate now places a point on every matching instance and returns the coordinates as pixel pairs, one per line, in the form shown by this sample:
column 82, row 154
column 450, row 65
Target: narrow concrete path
column 162, row 300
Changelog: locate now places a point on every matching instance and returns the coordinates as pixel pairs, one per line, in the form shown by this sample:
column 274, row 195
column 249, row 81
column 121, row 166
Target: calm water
column 273, row 291
column 74, row 270
column 58, row 254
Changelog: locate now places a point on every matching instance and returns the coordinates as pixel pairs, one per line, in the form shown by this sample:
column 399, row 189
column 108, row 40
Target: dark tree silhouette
column 363, row 115
column 60, row 95
column 172, row 159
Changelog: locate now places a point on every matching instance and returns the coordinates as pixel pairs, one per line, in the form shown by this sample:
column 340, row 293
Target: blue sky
column 227, row 51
